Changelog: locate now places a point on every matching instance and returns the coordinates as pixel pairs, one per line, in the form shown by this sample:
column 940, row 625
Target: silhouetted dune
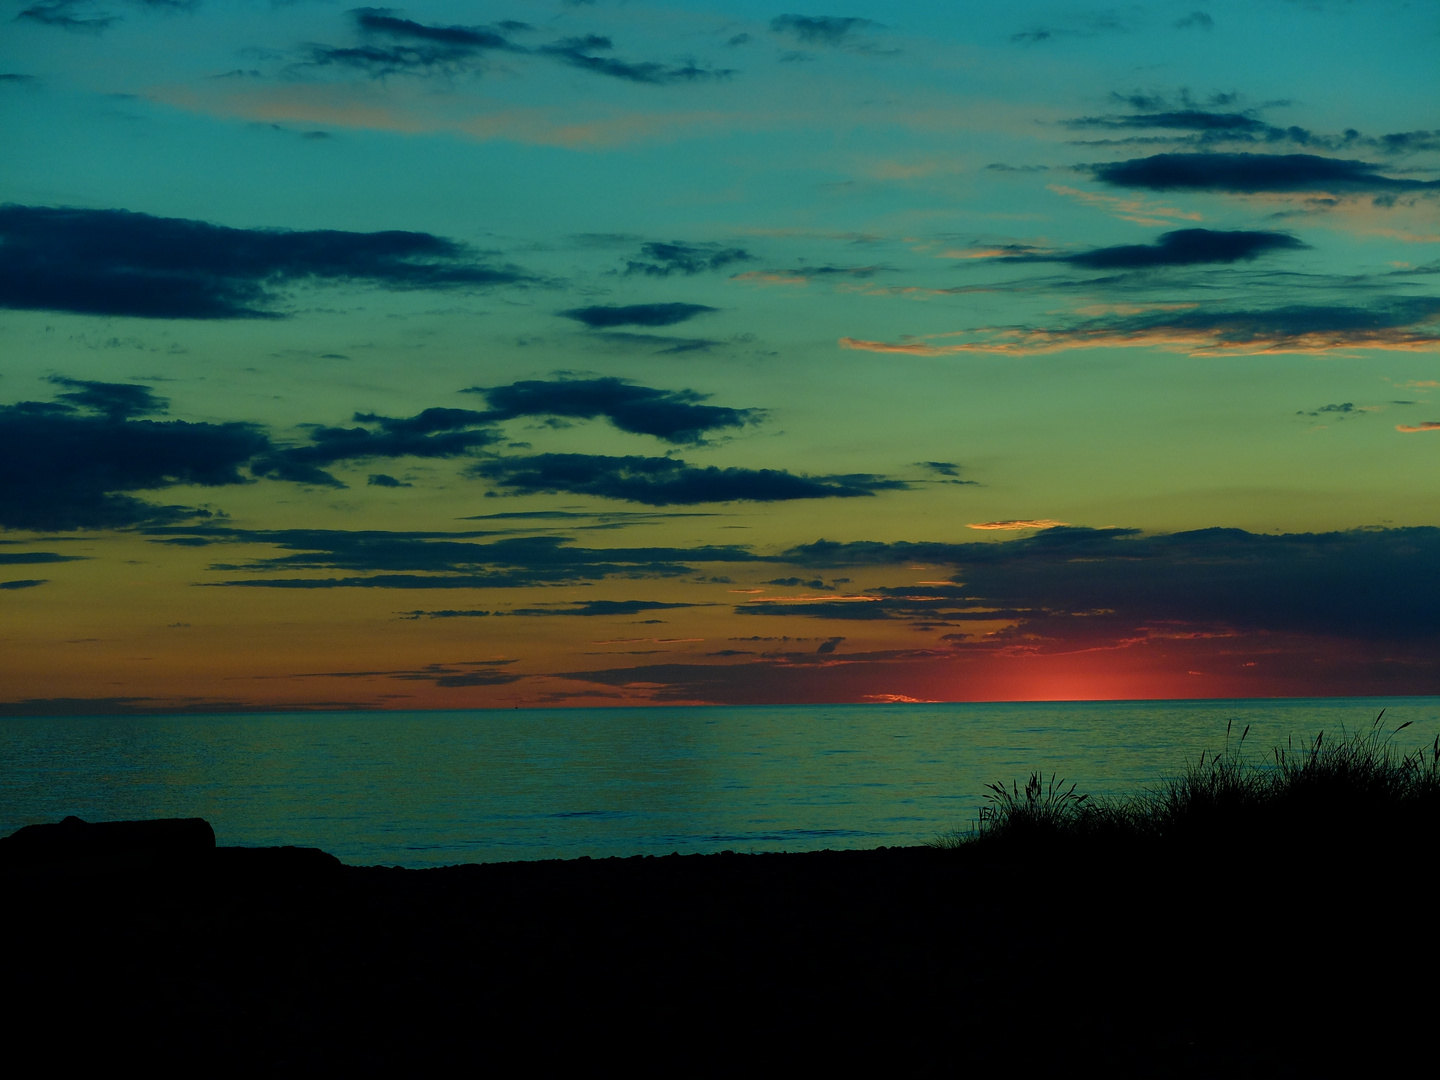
column 1237, row 921
column 909, row 960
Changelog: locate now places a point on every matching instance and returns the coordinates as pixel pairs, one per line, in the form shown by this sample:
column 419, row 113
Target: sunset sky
column 479, row 354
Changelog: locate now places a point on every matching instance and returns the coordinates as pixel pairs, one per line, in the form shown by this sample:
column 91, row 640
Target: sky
column 487, row 354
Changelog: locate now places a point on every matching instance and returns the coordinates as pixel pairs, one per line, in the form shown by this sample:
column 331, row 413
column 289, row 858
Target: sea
column 420, row 789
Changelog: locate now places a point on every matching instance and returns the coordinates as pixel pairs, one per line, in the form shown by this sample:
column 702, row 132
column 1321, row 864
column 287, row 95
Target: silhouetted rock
column 73, row 840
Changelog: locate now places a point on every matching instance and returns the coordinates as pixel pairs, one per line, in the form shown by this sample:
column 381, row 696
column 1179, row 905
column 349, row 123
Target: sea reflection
column 423, row 789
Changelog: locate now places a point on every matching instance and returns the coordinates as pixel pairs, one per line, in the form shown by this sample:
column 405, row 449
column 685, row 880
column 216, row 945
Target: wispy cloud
column 408, row 47
column 1205, row 127
column 670, row 481
column 1404, row 324
column 828, row 30
column 657, row 259
column 375, row 559
column 1017, row 525
column 1137, row 210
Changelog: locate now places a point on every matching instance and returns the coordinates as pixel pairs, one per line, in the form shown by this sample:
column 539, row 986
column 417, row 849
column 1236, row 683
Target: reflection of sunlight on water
column 422, row 789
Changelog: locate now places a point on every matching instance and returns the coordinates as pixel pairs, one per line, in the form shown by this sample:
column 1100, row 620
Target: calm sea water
column 427, row 789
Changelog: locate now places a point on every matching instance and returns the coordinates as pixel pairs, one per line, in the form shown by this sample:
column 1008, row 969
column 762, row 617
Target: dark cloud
column 65, row 469
column 662, row 344
column 429, row 422
column 821, row 29
column 811, row 273
column 1206, row 127
column 67, row 15
column 23, row 583
column 1196, row 20
column 385, row 480
column 436, row 560
column 602, row 518
column 453, row 674
column 1138, row 99
column 838, row 271
column 1080, row 25
column 602, row 607
column 1182, row 247
column 12, row 77
column 145, row 706
column 383, row 21
column 1404, row 142
column 1178, row 120
column 447, row 613
column 116, row 401
column 948, row 472
column 389, row 581
column 1252, row 173
column 801, row 678
column 434, row 433
column 942, row 468
column 676, row 416
column 668, row 481
column 415, row 48
column 677, row 257
column 603, row 316
column 380, row 61
column 442, row 676
column 1366, row 583
column 798, row 583
column 580, row 52
column 1329, row 607
column 35, row 558
column 931, row 605
column 76, row 460
column 1339, row 411
column 104, row 706
column 115, row 262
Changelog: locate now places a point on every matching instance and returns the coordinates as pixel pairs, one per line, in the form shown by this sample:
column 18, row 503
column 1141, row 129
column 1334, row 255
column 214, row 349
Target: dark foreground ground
column 914, row 961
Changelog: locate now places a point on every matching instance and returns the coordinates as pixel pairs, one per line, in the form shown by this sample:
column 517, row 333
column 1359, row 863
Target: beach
column 910, row 959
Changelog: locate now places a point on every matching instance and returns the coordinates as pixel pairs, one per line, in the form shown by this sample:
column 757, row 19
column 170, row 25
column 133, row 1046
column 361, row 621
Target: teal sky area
column 479, row 354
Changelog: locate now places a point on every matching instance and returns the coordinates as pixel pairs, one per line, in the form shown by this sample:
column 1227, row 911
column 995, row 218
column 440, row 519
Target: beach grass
column 1354, row 787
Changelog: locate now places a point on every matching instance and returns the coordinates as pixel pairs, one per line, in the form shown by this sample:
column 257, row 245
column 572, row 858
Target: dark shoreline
column 913, row 959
